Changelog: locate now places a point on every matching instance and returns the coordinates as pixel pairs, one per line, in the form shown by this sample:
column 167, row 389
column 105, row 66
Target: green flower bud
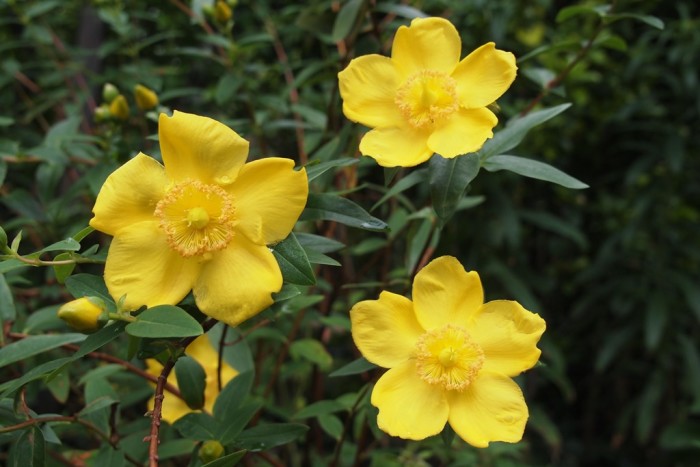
column 119, row 108
column 109, row 92
column 102, row 113
column 86, row 314
column 146, row 98
column 210, row 451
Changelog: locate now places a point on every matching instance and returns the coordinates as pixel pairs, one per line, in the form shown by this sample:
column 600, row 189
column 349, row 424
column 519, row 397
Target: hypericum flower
column 85, row 314
column 205, row 354
column 451, row 357
column 424, row 100
column 200, row 223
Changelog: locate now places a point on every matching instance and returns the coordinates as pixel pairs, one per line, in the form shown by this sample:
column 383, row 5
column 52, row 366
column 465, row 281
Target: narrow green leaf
column 69, row 244
column 100, row 338
column 312, row 351
column 263, row 437
column 573, row 11
column 62, row 271
column 319, row 243
column 197, row 426
column 7, row 303
column 227, row 461
column 232, row 396
column 555, row 225
column 35, row 373
column 655, row 320
column 334, row 208
column 402, row 185
column 346, row 19
column 29, row 449
column 164, row 321
column 652, row 21
column 315, row 169
column 34, row 345
column 331, row 425
column 398, row 9
column 448, row 180
column 293, row 261
column 515, row 131
column 107, row 456
column 191, row 380
column 59, row 386
column 355, row 367
column 319, row 408
column 236, row 421
column 533, row 169
column 417, row 242
column 97, row 404
column 83, row 233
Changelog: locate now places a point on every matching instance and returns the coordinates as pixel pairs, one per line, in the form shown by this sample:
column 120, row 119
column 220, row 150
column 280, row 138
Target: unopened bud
column 210, row 451
column 146, row 98
column 222, row 12
column 119, row 108
column 102, row 113
column 109, row 92
column 86, row 314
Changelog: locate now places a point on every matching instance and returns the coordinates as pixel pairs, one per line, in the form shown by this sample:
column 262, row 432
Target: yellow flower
column 85, row 314
column 200, row 223
column 201, row 350
column 119, row 108
column 424, row 100
column 451, row 357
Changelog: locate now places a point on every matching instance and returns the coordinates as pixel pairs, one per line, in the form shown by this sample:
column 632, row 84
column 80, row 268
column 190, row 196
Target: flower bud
column 222, row 12
column 102, row 113
column 146, row 98
column 210, row 451
column 86, row 314
column 109, row 92
column 119, row 108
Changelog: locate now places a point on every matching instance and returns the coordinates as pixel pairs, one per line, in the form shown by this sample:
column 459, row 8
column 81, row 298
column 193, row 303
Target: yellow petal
column 269, row 196
column 428, row 44
column 396, row 147
column 129, row 195
column 385, row 330
column 141, row 265
column 409, row 407
column 200, row 148
column 508, row 335
column 202, row 350
column 466, row 131
column 368, row 87
column 444, row 293
column 484, row 75
column 237, row 282
column 492, row 409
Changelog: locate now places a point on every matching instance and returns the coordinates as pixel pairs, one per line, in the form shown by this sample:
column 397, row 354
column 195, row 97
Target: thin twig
column 346, row 426
column 157, row 412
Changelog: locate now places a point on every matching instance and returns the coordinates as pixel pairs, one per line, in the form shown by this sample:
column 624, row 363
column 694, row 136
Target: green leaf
column 655, row 320
column 34, row 345
column 263, row 437
column 191, row 380
column 100, row 338
column 197, row 426
column 319, row 243
column 315, row 169
column 681, row 436
column 59, row 386
column 515, row 131
column 7, row 303
column 35, row 373
column 402, row 185
column 448, row 180
column 236, row 421
column 319, row 408
column 355, row 367
column 398, row 9
column 312, row 351
column 107, row 456
column 293, row 261
column 69, row 244
column 84, row 285
column 334, row 208
column 232, row 395
column 533, row 169
column 331, row 425
column 555, row 225
column 29, row 449
column 346, row 19
column 575, row 10
column 228, row 460
column 652, row 21
column 97, row 404
column 164, row 321
column 62, row 271
column 417, row 242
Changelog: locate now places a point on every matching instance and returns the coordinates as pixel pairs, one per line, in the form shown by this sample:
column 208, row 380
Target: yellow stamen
column 427, row 97
column 197, row 218
column 448, row 357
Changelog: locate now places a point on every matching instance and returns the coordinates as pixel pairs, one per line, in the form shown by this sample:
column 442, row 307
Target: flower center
column 427, row 97
column 448, row 357
column 197, row 218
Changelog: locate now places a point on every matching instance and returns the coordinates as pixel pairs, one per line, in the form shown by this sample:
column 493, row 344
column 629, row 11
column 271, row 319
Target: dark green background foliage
column 613, row 269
